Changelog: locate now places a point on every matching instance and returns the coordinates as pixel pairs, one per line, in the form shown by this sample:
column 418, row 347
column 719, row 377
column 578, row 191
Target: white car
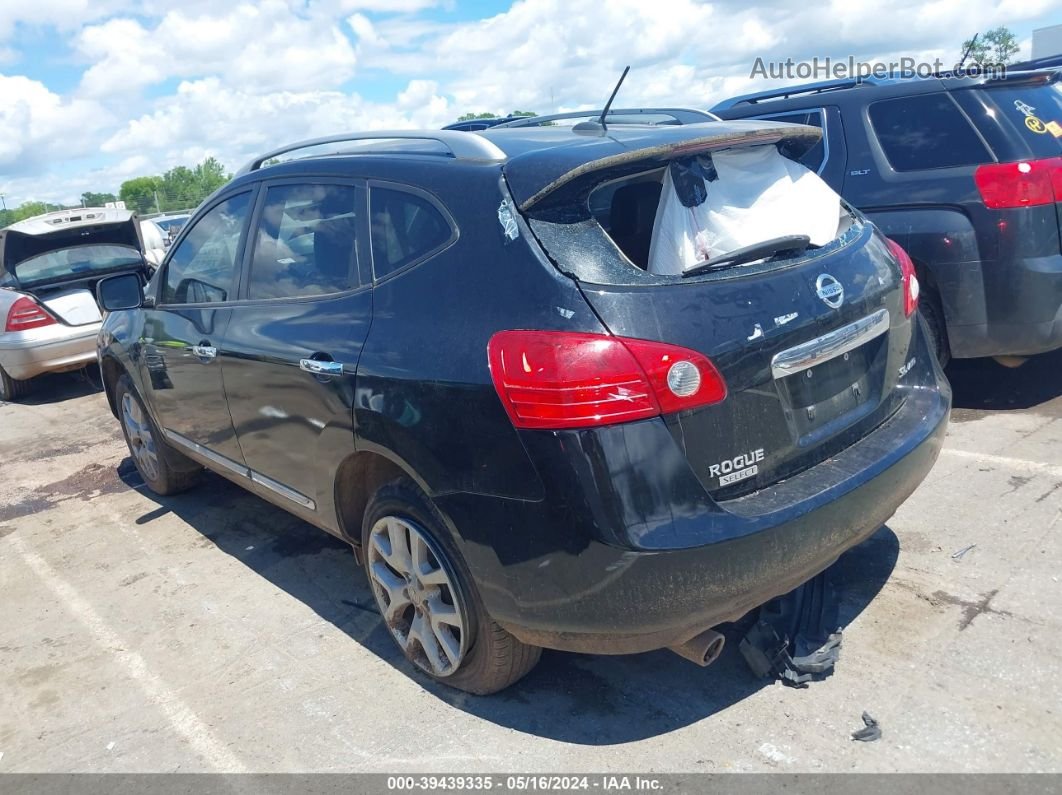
column 49, row 266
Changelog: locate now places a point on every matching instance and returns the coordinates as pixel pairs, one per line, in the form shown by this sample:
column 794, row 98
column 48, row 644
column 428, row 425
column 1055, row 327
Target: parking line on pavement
column 181, row 717
column 1007, row 461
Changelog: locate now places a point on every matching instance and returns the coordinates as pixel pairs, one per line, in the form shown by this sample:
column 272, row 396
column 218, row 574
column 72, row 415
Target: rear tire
column 164, row 470
column 938, row 331
column 12, row 388
column 404, row 539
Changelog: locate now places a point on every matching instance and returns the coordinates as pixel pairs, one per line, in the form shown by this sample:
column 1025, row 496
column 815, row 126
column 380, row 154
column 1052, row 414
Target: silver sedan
column 49, row 266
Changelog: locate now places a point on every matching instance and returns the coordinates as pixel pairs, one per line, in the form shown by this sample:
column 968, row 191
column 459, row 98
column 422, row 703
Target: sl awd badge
column 829, row 290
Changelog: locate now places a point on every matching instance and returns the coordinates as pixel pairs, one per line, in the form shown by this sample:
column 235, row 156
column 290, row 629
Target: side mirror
column 124, row 291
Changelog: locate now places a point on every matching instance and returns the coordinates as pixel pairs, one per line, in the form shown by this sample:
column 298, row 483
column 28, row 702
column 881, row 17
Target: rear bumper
column 49, row 349
column 1014, row 308
column 546, row 574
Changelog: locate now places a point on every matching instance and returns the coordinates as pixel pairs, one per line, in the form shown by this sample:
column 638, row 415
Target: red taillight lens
column 910, row 280
column 26, row 313
column 557, row 379
column 1025, row 184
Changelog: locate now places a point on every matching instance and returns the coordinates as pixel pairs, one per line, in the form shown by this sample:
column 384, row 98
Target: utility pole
column 2, row 199
column 157, row 208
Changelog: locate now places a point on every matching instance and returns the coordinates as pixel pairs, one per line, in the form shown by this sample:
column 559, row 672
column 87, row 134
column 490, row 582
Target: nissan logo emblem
column 829, row 290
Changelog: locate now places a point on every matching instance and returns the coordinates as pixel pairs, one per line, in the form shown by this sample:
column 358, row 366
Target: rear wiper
column 768, row 248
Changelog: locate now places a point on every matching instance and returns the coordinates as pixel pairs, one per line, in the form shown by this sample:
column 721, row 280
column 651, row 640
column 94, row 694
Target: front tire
column 164, row 470
column 427, row 598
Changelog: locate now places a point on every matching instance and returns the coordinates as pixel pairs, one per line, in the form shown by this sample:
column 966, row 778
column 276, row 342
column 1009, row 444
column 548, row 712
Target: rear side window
column 304, row 244
column 406, row 227
column 816, row 155
column 1035, row 112
column 202, row 267
column 926, row 132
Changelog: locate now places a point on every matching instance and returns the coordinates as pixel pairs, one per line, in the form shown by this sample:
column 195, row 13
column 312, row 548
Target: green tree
column 24, row 211
column 138, row 193
column 92, row 199
column 523, row 113
column 997, row 46
column 30, row 209
column 179, row 189
column 210, row 175
column 474, row 116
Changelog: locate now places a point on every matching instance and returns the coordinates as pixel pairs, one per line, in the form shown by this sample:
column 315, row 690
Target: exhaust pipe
column 703, row 649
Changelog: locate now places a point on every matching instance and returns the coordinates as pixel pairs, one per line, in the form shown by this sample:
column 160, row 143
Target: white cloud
column 264, row 47
column 234, row 124
column 39, row 125
column 249, row 75
column 387, row 6
column 62, row 14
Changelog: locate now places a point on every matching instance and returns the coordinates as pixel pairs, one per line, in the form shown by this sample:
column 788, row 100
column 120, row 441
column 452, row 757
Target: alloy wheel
column 141, row 440
column 416, row 595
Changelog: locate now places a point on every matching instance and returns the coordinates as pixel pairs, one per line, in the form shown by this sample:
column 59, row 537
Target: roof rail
column 681, row 116
column 462, row 146
column 792, row 91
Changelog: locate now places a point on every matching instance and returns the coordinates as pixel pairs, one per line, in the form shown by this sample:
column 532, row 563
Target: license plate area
column 828, row 393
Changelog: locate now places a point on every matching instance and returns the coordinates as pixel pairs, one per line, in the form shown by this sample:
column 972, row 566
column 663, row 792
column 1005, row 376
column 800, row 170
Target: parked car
column 170, row 225
column 966, row 175
column 49, row 266
column 440, row 353
column 476, row 125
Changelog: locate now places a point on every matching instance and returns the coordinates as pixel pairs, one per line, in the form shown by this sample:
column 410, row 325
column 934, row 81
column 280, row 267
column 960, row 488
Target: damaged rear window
column 653, row 226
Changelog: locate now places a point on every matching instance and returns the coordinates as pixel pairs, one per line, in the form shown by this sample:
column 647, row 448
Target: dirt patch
column 1041, row 498
column 970, row 609
column 87, row 483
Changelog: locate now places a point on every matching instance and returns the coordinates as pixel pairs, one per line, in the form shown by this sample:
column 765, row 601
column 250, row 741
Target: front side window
column 304, row 245
column 202, row 267
column 925, row 132
column 405, row 228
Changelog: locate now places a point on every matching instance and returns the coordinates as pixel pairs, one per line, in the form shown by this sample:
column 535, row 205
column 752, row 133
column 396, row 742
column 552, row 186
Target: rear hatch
column 811, row 344
column 1026, row 125
column 59, row 257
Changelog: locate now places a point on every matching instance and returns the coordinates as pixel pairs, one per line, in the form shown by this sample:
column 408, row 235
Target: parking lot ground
column 213, row 632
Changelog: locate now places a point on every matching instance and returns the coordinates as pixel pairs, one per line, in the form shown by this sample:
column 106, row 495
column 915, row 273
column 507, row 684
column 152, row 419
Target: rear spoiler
column 563, row 173
column 1038, row 77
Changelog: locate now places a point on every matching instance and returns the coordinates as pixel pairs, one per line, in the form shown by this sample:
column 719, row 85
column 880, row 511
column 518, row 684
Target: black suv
column 966, row 175
column 429, row 345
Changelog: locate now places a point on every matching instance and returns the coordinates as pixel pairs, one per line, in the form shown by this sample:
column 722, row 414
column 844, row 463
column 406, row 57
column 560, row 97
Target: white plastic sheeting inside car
column 758, row 195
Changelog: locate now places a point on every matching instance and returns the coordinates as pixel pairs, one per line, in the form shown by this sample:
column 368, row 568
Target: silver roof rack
column 462, row 145
column 680, row 116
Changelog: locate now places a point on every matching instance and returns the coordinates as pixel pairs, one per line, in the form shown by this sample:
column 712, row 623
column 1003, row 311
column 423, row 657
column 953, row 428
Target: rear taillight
column 1024, row 184
column 910, row 280
column 25, row 314
column 557, row 379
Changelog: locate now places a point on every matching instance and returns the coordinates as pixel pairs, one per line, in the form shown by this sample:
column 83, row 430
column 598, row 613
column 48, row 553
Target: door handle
column 205, row 351
column 318, row 367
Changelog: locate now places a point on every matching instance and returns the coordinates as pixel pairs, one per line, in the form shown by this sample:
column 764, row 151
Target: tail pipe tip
column 703, row 649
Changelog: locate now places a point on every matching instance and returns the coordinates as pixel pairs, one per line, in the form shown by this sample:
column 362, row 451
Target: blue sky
column 96, row 91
